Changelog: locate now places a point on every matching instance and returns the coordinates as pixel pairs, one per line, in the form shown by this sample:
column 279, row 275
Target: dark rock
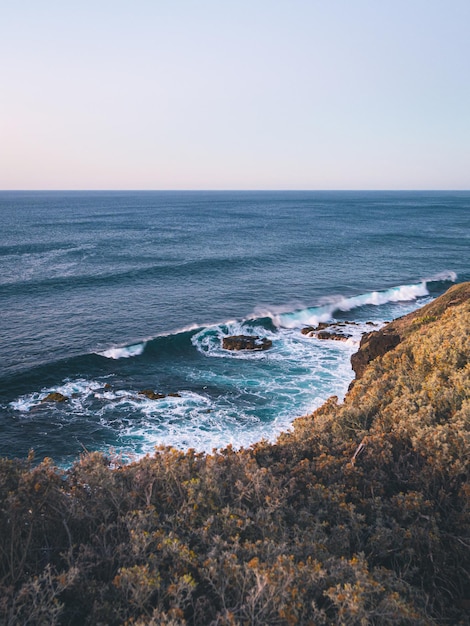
column 373, row 344
column 246, row 342
column 319, row 332
column 54, row 396
column 331, row 335
column 309, row 330
column 151, row 395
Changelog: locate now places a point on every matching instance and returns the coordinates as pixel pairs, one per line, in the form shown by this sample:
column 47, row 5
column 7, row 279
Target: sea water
column 106, row 294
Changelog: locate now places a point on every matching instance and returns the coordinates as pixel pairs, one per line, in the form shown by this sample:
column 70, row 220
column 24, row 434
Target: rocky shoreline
column 358, row 515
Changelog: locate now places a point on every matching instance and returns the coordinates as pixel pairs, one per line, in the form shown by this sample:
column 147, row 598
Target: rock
column 54, row 396
column 246, row 342
column 331, row 335
column 151, row 395
column 309, row 330
column 373, row 344
column 319, row 331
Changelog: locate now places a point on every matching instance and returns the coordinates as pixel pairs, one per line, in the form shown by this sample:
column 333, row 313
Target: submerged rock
column 153, row 395
column 246, row 342
column 323, row 334
column 55, row 396
column 319, row 332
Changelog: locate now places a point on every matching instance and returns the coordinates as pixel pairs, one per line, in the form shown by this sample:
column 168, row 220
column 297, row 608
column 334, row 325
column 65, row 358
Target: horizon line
column 228, row 190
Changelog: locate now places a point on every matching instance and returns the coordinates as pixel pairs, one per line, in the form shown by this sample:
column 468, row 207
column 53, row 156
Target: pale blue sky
column 259, row 94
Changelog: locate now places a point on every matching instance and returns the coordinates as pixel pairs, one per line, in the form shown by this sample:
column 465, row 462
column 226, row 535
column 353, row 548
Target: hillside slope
column 377, row 343
column 359, row 515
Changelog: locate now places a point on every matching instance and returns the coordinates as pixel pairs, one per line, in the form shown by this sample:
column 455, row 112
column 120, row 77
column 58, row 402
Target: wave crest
column 325, row 312
column 124, row 352
column 444, row 276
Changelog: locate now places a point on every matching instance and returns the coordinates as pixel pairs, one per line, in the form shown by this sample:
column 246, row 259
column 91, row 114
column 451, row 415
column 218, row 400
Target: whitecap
column 124, row 352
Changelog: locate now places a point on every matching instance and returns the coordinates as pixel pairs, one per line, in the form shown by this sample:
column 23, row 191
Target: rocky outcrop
column 153, row 395
column 324, row 334
column 312, row 329
column 246, row 342
column 372, row 345
column 55, row 396
column 335, row 331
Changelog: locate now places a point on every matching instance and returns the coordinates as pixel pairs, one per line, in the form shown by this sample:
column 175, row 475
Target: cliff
column 359, row 515
column 377, row 343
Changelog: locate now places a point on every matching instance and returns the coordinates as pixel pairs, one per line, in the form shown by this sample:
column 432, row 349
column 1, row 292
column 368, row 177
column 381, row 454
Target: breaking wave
column 326, row 312
column 207, row 339
column 125, row 352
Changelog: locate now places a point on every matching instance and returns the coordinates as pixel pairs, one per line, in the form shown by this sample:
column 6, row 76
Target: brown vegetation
column 377, row 343
column 360, row 515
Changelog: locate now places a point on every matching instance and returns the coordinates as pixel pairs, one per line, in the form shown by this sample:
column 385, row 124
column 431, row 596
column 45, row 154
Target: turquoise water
column 104, row 294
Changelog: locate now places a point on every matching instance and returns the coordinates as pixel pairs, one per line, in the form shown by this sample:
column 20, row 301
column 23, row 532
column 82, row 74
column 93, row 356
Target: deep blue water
column 103, row 294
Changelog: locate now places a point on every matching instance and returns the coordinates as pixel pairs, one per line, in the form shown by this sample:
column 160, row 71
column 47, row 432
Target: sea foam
column 124, row 352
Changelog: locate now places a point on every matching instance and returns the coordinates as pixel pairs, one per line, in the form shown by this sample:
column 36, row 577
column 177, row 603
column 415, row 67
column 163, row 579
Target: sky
column 245, row 94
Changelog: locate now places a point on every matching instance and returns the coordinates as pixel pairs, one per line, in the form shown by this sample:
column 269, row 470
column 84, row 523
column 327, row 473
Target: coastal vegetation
column 358, row 515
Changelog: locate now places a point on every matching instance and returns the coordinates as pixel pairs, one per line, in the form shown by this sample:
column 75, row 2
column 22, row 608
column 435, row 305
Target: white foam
column 206, row 424
column 74, row 390
column 307, row 373
column 124, row 352
column 251, row 404
column 209, row 340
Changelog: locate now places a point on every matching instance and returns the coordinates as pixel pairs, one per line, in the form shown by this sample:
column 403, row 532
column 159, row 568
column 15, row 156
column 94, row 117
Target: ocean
column 107, row 294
